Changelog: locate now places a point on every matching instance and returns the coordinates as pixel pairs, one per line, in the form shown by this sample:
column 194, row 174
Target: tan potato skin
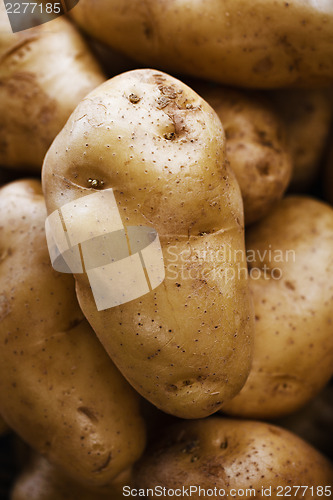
column 41, row 480
column 44, row 73
column 293, row 354
column 186, row 346
column 234, row 455
column 306, row 115
column 255, row 145
column 59, row 390
column 258, row 43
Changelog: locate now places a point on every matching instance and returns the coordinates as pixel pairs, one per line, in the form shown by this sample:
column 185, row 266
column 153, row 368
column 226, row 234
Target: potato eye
column 169, row 136
column 95, row 182
column 134, row 98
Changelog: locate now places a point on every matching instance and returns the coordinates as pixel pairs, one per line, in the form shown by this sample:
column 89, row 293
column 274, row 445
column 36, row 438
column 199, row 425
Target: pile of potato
column 215, row 379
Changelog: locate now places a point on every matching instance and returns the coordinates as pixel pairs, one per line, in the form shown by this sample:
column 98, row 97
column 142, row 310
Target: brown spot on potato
column 191, row 446
column 290, row 285
column 148, row 30
column 105, row 464
column 133, row 98
column 171, row 388
column 263, row 66
column 263, row 167
column 88, row 412
column 224, row 444
column 169, row 136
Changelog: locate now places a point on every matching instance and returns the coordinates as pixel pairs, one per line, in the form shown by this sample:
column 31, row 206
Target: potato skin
column 306, row 115
column 59, row 391
column 41, row 480
column 293, row 302
column 258, row 44
column 255, row 146
column 44, row 73
column 239, row 454
column 186, row 346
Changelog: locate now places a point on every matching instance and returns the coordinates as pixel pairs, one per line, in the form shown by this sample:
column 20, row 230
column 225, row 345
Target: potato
column 290, row 258
column 258, row 44
column 153, row 144
column 307, row 115
column 41, row 480
column 255, row 146
column 234, row 458
column 59, row 390
column 44, row 73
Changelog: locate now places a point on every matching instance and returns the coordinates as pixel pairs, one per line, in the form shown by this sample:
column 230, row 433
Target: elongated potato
column 44, row 73
column 41, row 480
column 234, row 458
column 259, row 44
column 153, row 144
column 306, row 115
column 290, row 254
column 59, row 390
column 256, row 147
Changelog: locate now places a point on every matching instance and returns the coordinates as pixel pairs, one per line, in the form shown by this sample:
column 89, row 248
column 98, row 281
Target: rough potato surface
column 257, row 43
column 59, row 391
column 235, row 455
column 186, row 346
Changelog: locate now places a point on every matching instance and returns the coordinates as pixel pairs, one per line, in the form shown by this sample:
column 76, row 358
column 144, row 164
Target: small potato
column 247, row 43
column 255, row 146
column 44, row 73
column 41, row 480
column 291, row 266
column 185, row 345
column 234, row 458
column 59, row 391
column 306, row 115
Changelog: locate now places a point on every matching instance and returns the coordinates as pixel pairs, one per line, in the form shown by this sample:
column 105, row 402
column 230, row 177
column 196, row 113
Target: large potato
column 290, row 255
column 186, row 345
column 306, row 115
column 260, row 44
column 255, row 145
column 59, row 390
column 41, row 480
column 44, row 73
column 234, row 458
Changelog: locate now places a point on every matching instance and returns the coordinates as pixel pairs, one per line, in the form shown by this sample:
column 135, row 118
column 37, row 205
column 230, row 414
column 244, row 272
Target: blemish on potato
column 133, row 98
